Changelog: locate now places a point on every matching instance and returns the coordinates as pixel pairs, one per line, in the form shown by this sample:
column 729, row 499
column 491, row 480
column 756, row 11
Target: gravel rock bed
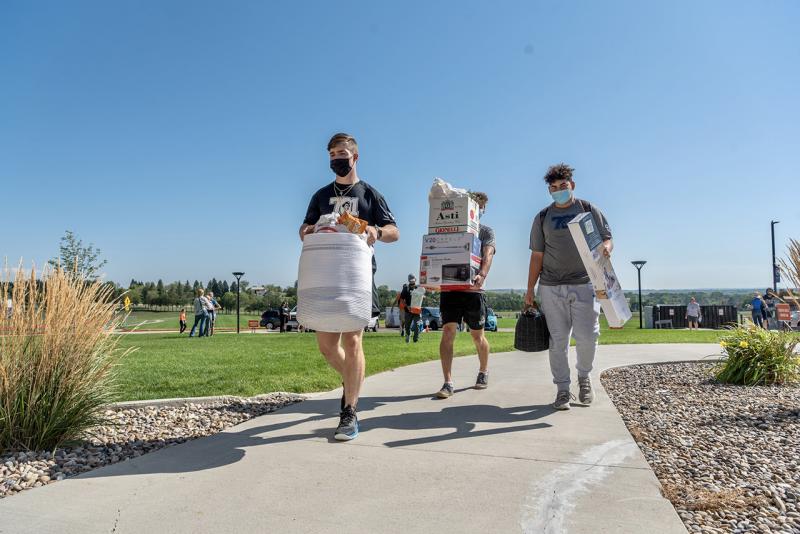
column 728, row 457
column 132, row 432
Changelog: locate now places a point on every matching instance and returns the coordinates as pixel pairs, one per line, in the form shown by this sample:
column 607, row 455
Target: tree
column 74, row 256
column 216, row 287
column 228, row 300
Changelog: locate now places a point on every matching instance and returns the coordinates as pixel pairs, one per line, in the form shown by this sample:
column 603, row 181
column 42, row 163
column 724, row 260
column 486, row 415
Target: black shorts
column 456, row 306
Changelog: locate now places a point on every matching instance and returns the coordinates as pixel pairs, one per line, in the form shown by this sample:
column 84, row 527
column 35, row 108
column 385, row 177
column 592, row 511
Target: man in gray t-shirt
column 468, row 306
column 693, row 314
column 565, row 293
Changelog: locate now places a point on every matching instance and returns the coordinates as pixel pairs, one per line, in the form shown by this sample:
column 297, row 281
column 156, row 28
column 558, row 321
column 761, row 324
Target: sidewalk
column 498, row 460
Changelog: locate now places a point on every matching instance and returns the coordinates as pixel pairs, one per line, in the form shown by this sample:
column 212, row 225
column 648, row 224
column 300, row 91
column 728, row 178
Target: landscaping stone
column 131, row 432
column 727, row 456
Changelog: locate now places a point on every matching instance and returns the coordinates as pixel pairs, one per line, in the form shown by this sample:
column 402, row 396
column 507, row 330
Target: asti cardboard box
column 606, row 285
column 451, row 243
column 453, row 214
column 450, row 271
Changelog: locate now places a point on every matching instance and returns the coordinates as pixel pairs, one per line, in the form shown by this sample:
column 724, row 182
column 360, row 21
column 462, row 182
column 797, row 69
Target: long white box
column 612, row 299
column 448, row 243
column 453, row 271
column 454, row 214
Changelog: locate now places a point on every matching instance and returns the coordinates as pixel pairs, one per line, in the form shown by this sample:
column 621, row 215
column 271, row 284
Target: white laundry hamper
column 334, row 283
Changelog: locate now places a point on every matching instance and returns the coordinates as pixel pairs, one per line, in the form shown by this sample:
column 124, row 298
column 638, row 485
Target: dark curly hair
column 562, row 171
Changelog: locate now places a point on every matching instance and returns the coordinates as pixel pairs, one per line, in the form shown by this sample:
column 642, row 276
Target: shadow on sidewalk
column 229, row 446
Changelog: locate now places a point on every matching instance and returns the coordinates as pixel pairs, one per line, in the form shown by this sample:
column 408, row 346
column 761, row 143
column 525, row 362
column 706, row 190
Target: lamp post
column 238, row 276
column 639, row 264
column 776, row 275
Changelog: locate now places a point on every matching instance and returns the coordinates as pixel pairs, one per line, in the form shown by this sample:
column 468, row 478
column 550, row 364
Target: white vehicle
column 373, row 325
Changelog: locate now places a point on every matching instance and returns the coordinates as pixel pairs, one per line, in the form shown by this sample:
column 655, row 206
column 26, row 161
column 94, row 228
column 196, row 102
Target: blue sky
column 185, row 138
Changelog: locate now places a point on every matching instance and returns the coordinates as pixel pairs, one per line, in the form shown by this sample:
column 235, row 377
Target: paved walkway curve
column 497, row 460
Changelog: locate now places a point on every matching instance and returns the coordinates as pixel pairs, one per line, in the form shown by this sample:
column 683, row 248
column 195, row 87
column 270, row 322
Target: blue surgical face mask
column 561, row 196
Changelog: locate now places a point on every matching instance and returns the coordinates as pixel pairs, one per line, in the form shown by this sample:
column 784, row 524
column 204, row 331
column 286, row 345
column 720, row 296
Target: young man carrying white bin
column 566, row 295
column 344, row 351
column 469, row 306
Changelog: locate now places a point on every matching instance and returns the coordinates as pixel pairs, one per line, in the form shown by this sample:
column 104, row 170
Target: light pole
column 639, row 264
column 238, row 276
column 776, row 275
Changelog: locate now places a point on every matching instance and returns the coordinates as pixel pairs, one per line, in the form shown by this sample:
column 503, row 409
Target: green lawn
column 169, row 320
column 169, row 365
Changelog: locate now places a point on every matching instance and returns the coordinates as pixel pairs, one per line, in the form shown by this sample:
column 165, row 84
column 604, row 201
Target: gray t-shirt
column 562, row 263
column 486, row 235
column 693, row 309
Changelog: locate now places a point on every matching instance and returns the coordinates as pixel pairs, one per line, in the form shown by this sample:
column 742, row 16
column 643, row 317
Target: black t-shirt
column 362, row 201
column 405, row 294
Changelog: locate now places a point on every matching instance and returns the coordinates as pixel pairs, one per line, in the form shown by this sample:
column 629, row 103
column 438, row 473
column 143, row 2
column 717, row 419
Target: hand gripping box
column 601, row 273
column 453, row 214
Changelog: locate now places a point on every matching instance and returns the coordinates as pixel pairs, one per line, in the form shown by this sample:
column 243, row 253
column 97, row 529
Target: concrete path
column 498, row 460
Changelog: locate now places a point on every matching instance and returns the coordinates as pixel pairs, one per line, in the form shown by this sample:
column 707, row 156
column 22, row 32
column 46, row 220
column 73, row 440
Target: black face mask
column 341, row 167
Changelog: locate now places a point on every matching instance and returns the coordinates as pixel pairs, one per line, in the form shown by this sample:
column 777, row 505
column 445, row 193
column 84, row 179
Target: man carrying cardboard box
column 469, row 306
column 565, row 293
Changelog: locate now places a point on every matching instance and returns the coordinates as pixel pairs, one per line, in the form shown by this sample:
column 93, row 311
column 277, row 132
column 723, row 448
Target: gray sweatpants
column 570, row 310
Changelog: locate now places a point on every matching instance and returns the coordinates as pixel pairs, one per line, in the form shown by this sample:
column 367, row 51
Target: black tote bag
column 531, row 333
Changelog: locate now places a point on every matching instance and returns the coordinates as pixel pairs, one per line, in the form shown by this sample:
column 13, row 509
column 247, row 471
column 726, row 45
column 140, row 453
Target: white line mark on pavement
column 551, row 499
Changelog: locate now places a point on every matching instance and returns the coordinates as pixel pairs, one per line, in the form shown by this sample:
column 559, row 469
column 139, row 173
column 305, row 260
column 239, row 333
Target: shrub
column 754, row 356
column 56, row 358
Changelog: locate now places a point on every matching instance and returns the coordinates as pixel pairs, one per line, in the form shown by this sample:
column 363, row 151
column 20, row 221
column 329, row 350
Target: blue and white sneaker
column 348, row 425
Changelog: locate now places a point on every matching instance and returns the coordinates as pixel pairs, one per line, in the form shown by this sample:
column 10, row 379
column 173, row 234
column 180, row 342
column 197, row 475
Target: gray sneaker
column 585, row 393
column 562, row 400
column 446, row 391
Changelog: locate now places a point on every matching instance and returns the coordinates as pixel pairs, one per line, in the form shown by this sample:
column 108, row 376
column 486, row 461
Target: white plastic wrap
column 442, row 189
column 334, row 283
column 416, row 299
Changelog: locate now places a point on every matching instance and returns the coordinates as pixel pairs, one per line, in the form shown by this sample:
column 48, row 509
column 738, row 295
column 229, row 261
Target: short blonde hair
column 200, row 291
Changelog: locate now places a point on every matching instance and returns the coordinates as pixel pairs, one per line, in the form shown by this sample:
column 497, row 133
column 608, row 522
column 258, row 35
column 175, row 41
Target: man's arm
column 487, row 254
column 534, row 269
column 389, row 234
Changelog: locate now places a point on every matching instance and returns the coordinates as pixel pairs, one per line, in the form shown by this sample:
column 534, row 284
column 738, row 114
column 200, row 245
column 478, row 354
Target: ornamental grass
column 56, row 357
column 754, row 356
column 790, row 267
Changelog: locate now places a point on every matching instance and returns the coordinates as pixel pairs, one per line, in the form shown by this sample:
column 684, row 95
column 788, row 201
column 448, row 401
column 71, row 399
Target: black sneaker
column 446, row 391
column 483, row 381
column 348, row 425
column 562, row 400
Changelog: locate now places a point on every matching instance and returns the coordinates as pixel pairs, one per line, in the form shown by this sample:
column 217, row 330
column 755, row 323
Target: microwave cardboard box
column 451, row 243
column 453, row 215
column 452, row 271
column 606, row 285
